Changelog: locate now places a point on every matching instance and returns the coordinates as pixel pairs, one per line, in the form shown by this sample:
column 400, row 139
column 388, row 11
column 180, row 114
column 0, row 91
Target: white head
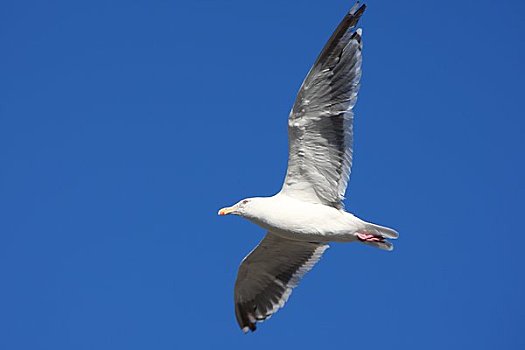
column 242, row 208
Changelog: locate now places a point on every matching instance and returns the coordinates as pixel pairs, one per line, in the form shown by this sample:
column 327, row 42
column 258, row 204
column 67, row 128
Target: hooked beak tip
column 224, row 211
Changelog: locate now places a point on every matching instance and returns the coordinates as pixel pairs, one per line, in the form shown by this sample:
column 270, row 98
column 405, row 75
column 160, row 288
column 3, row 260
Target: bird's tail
column 382, row 233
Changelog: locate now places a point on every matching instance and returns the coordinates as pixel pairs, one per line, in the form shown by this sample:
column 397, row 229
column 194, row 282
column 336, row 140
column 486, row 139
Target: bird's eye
column 244, row 201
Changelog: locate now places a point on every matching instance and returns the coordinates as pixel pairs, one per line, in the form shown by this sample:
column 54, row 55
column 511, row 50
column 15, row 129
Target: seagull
column 308, row 212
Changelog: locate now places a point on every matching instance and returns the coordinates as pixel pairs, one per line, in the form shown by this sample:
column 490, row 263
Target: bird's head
column 242, row 208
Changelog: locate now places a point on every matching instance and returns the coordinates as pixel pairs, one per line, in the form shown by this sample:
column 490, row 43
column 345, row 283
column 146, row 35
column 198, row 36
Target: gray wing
column 268, row 274
column 320, row 123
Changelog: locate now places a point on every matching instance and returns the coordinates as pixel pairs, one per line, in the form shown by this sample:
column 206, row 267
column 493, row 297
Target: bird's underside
column 298, row 234
column 320, row 157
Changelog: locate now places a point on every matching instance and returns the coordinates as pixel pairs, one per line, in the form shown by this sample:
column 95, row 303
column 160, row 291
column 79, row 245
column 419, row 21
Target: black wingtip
column 357, row 35
column 244, row 320
column 357, row 10
column 250, row 326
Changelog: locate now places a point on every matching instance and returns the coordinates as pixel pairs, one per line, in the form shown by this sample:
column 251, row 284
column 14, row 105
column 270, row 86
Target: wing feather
column 320, row 129
column 267, row 276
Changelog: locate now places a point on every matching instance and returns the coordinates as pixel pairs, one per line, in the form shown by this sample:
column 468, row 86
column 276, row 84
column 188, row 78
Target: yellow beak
column 226, row 211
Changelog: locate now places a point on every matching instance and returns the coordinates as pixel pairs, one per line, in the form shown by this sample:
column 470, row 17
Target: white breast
column 301, row 220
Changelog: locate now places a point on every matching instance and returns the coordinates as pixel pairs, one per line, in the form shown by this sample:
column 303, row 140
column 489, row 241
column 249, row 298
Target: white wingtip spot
column 359, row 32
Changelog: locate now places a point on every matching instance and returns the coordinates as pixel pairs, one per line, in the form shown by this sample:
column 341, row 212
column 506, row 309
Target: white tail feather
column 382, row 231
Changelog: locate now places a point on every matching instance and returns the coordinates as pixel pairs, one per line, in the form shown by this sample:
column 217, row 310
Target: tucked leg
column 367, row 237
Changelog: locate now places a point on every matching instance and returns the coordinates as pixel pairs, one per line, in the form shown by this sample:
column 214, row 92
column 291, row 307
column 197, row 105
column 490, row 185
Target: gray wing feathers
column 267, row 276
column 320, row 123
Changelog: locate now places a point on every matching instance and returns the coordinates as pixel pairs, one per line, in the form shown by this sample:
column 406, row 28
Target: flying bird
column 308, row 212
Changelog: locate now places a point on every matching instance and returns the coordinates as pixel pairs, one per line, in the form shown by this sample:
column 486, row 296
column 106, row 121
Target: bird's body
column 308, row 212
column 298, row 220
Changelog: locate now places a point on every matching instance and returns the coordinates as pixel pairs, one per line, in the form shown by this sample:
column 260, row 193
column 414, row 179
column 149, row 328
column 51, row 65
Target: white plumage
column 308, row 212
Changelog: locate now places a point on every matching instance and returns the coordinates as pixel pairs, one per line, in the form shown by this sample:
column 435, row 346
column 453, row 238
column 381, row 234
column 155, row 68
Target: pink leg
column 366, row 237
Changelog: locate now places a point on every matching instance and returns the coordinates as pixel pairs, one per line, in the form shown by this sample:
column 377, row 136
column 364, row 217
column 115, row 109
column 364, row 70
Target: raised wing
column 320, row 123
column 268, row 274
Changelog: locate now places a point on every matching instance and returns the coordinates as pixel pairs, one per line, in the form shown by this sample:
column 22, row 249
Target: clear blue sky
column 124, row 126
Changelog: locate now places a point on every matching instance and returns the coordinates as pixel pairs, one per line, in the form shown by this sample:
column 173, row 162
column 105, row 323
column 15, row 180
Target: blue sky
column 124, row 126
